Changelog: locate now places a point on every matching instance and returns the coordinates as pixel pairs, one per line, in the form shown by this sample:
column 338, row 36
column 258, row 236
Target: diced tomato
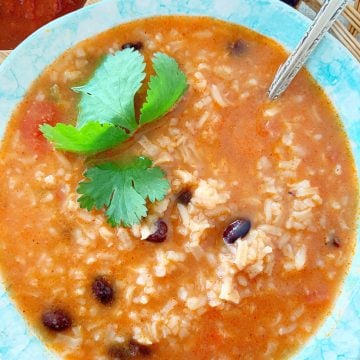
column 39, row 112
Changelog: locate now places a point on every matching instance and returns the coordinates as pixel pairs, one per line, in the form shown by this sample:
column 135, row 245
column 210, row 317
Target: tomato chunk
column 39, row 112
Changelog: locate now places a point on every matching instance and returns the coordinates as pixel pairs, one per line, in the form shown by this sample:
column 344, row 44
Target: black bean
column 159, row 235
column 292, row 3
column 334, row 241
column 118, row 352
column 57, row 320
column 184, row 197
column 237, row 47
column 128, row 351
column 136, row 349
column 133, row 45
column 236, row 230
column 102, row 290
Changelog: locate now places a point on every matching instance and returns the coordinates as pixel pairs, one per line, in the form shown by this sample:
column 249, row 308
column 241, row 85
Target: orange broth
column 285, row 165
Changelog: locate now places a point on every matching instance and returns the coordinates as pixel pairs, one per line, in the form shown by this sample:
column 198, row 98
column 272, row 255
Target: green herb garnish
column 108, row 98
column 91, row 138
column 123, row 189
column 109, row 95
column 165, row 88
column 107, row 118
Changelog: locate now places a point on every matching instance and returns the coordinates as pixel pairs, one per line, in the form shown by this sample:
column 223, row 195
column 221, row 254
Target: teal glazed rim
column 331, row 65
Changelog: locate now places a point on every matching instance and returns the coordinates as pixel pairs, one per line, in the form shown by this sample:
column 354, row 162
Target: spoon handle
column 328, row 13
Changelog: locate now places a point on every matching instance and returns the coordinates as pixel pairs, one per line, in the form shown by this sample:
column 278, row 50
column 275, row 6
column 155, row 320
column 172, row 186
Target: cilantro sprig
column 108, row 98
column 107, row 118
column 122, row 189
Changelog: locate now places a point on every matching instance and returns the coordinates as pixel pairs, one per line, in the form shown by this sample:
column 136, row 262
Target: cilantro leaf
column 93, row 137
column 122, row 189
column 106, row 108
column 165, row 88
column 109, row 95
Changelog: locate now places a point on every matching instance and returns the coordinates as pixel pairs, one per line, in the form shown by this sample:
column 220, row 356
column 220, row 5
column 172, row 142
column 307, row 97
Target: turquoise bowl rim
column 332, row 66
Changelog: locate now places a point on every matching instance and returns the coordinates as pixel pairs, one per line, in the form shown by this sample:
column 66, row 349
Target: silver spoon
column 328, row 13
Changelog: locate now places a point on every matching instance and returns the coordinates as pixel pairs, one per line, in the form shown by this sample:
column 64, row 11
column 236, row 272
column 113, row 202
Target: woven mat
column 346, row 29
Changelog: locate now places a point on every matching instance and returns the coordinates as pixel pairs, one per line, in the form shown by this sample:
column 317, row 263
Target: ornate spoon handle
column 328, row 13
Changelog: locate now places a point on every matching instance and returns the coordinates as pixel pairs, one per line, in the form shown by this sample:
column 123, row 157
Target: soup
column 244, row 256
